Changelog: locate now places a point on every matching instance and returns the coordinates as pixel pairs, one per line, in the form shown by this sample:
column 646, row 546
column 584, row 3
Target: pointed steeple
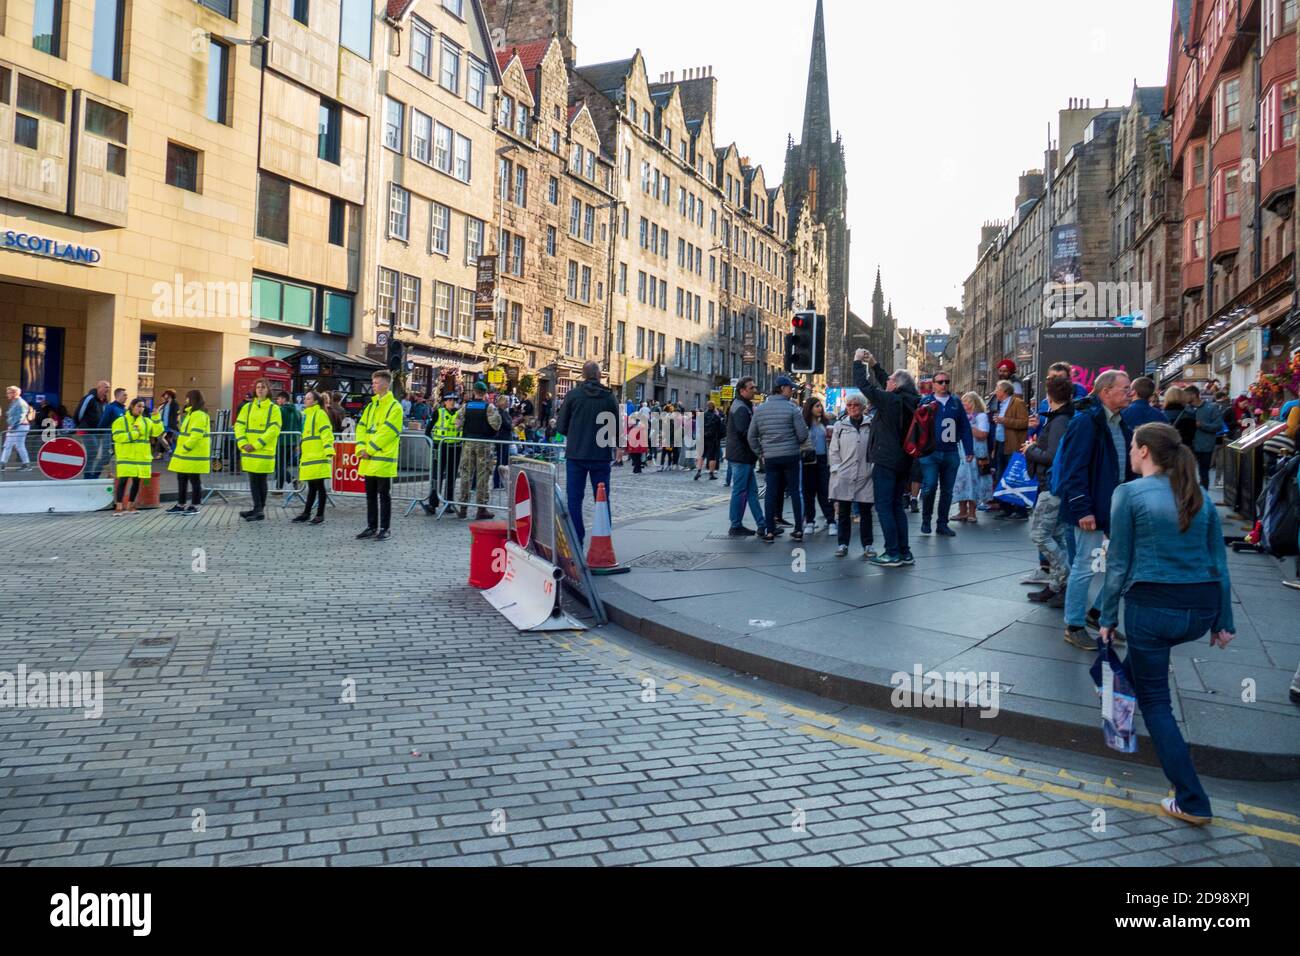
column 817, row 105
column 880, row 292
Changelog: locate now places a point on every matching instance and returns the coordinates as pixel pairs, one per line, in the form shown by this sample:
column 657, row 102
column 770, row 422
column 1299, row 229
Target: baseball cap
column 480, row 386
column 783, row 382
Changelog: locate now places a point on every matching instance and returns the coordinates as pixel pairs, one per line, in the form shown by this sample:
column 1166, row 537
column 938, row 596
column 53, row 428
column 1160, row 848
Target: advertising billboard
column 1092, row 351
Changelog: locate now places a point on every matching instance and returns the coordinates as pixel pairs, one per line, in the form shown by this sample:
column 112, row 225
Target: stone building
column 552, row 317
column 318, row 93
column 815, row 176
column 128, row 196
column 431, row 197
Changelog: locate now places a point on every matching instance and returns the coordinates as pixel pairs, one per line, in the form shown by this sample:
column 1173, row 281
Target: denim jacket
column 1146, row 545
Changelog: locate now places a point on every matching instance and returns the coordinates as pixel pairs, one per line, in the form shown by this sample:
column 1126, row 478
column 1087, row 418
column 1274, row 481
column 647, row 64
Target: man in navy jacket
column 952, row 438
column 1091, row 462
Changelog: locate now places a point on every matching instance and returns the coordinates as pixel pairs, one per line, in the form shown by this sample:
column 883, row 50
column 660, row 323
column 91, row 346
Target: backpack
column 918, row 440
column 1280, row 514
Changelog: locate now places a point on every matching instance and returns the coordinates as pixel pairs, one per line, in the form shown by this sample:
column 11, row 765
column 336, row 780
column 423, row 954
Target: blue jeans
column 938, row 470
column 891, row 489
column 1151, row 632
column 744, row 491
column 1081, row 575
column 783, row 479
column 577, row 472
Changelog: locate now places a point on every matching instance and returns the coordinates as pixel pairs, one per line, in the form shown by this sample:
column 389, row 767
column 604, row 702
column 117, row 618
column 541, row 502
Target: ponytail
column 1177, row 462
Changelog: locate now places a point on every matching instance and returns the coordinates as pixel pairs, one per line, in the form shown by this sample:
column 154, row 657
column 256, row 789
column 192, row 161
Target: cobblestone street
column 281, row 694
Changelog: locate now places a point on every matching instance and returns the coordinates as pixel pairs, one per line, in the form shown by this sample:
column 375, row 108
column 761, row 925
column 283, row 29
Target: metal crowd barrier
column 454, row 493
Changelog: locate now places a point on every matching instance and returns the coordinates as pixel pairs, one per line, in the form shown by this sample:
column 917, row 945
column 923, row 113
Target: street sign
column 347, row 479
column 523, row 510
column 61, row 459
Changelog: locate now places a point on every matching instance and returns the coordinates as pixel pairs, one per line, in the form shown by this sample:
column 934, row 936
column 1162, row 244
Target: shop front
column 326, row 370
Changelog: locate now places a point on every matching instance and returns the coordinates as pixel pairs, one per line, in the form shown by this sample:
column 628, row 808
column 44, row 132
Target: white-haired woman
column 974, row 478
column 850, row 475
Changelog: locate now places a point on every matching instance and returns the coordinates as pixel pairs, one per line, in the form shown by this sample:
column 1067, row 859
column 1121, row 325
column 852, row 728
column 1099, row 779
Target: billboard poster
column 1092, row 351
column 485, row 289
column 936, row 344
column 1067, row 260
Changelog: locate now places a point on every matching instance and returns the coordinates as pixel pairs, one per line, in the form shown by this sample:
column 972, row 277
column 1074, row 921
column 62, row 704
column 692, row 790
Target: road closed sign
column 61, row 459
column 347, row 480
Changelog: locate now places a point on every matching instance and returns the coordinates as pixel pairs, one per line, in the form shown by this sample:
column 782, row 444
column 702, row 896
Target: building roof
column 397, row 8
column 530, row 54
column 608, row 77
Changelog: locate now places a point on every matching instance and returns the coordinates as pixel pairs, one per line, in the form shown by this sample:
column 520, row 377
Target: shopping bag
column 1016, row 487
column 1114, row 684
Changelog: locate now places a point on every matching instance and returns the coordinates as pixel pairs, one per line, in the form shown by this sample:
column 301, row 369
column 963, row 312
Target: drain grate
column 672, row 561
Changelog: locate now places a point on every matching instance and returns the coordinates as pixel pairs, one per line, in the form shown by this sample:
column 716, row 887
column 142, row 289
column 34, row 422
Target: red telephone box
column 249, row 370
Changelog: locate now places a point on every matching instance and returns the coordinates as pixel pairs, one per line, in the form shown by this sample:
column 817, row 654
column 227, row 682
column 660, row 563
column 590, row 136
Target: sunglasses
column 940, row 381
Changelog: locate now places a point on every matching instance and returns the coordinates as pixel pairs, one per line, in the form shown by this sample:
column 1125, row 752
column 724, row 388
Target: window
column 272, row 208
column 1287, row 106
column 338, row 220
column 550, row 240
column 442, row 309
column 663, row 294
column 521, row 187
column 182, row 167
column 302, row 11
column 408, row 307
column 475, row 230
column 1227, row 105
column 327, row 135
column 575, row 217
column 218, row 69
column 399, row 212
column 553, row 191
column 421, row 136
column 355, row 22
column 573, row 280
column 47, row 26
column 1196, row 239
column 555, row 141
column 394, row 114
column 575, row 160
column 386, row 313
column 476, row 83
column 275, row 301
column 585, row 292
column 440, row 228
column 449, row 77
column 506, row 116
column 620, row 338
column 465, row 314
column 455, row 6
column 464, row 168
column 588, row 222
column 519, row 255
column 516, row 320
column 582, row 341
column 640, row 287
column 223, row 7
column 521, row 122
column 548, row 321
column 442, row 147
column 421, row 47
column 568, row 339
column 106, row 45
column 640, row 343
column 622, row 278
column 338, row 313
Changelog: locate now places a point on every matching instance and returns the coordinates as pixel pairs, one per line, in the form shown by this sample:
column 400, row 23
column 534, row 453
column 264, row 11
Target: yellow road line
column 923, row 756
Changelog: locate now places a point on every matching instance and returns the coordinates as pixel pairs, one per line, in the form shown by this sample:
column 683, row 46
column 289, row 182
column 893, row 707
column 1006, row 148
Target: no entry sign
column 61, row 459
column 523, row 510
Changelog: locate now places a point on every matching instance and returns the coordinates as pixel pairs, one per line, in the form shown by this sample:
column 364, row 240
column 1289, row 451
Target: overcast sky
column 942, row 105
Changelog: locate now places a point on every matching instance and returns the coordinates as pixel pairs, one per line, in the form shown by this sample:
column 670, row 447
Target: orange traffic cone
column 600, row 550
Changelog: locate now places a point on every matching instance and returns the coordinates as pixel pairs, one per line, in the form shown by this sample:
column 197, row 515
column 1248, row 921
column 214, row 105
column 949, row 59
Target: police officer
column 379, row 435
column 257, row 433
column 444, row 431
column 478, row 419
column 133, row 434
column 193, row 457
column 317, row 456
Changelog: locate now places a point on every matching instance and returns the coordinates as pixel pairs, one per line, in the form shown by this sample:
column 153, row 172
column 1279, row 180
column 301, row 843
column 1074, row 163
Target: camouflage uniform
column 478, row 459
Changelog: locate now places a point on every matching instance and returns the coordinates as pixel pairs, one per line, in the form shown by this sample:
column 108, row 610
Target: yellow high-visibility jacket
column 258, row 424
column 193, row 455
column 131, row 445
column 379, row 434
column 317, row 445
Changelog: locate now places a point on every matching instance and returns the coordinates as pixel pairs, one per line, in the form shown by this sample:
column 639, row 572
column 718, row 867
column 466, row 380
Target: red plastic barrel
column 488, row 540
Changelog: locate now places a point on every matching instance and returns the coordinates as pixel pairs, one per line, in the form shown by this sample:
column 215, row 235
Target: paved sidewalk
column 841, row 628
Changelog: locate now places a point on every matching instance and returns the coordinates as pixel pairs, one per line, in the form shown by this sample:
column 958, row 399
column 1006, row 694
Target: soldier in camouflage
column 478, row 419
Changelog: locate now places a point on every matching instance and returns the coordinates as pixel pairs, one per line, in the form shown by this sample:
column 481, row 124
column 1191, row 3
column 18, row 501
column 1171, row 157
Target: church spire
column 817, row 105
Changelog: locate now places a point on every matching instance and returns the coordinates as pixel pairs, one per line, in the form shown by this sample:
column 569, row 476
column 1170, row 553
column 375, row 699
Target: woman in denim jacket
column 1167, row 561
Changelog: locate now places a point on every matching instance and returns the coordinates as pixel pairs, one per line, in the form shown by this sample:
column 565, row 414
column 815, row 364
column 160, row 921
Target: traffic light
column 805, row 346
column 396, row 355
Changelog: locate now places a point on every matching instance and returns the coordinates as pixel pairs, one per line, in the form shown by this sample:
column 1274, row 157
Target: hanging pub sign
column 485, row 289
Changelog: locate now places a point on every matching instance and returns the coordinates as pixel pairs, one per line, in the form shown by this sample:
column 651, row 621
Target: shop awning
column 337, row 363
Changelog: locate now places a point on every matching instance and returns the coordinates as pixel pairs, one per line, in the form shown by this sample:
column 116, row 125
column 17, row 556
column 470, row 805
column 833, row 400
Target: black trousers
column 379, row 503
column 186, row 481
column 315, row 496
column 636, row 457
column 448, row 465
column 257, row 484
column 783, row 479
column 844, row 522
column 122, row 483
column 1203, row 461
column 816, row 488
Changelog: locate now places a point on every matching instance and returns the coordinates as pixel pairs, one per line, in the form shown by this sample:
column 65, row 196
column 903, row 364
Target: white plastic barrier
column 55, row 497
column 529, row 593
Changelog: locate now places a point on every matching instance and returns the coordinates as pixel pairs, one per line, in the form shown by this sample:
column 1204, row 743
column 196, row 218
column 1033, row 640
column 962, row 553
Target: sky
column 938, row 123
